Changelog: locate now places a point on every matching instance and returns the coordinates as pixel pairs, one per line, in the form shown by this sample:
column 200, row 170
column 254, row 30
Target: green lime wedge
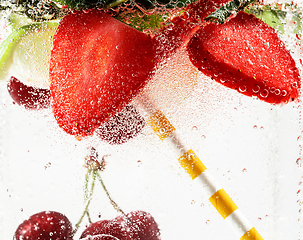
column 25, row 53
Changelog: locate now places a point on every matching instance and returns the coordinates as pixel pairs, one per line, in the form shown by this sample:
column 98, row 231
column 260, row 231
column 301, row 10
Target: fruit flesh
column 98, row 65
column 246, row 54
column 25, row 54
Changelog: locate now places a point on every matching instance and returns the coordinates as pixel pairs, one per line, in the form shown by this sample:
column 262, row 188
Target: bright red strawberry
column 45, row 226
column 176, row 34
column 136, row 225
column 97, row 66
column 121, row 127
column 246, row 54
column 27, row 96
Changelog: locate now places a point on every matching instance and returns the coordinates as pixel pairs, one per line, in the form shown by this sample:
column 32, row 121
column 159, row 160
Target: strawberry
column 28, row 96
column 45, row 226
column 137, row 225
column 247, row 55
column 121, row 127
column 97, row 66
column 176, row 34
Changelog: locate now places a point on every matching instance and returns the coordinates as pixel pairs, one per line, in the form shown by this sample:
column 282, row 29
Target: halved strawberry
column 247, row 55
column 97, row 66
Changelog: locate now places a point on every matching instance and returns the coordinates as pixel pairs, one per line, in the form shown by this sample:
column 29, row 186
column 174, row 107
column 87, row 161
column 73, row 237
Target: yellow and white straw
column 198, row 172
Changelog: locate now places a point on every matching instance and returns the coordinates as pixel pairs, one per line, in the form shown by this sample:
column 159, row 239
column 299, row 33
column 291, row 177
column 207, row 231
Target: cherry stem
column 88, row 200
column 112, row 202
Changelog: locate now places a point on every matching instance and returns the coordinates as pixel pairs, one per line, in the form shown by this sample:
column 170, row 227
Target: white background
column 251, row 147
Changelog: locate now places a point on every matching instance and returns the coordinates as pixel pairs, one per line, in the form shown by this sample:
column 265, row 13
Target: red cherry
column 121, row 127
column 101, row 237
column 45, row 226
column 28, row 96
column 137, row 225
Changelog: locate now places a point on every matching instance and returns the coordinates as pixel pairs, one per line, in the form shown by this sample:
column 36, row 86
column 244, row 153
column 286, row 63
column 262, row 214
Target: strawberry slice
column 247, row 55
column 97, row 66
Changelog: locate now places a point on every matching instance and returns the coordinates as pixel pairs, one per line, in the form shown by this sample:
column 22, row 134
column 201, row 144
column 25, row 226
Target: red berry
column 45, row 226
column 98, row 64
column 137, row 225
column 121, row 127
column 27, row 96
column 101, row 237
column 247, row 55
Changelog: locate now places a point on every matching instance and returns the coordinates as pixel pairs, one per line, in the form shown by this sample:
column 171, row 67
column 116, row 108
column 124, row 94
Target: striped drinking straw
column 198, row 171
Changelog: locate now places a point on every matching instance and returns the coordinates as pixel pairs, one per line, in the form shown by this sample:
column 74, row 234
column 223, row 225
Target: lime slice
column 25, row 54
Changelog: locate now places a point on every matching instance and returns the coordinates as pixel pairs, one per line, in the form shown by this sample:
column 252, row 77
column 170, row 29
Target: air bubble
column 294, row 85
column 242, row 88
column 249, row 61
column 86, row 10
column 195, row 128
column 256, row 89
column 264, row 93
column 161, row 130
column 284, row 93
column 277, row 91
column 299, row 162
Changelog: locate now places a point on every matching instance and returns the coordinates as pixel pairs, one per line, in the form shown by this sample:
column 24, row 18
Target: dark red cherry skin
column 137, row 225
column 30, row 97
column 47, row 225
column 101, row 237
column 121, row 127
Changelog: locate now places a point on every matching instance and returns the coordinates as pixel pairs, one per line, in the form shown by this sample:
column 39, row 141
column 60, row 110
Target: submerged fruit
column 25, row 54
column 28, row 96
column 121, row 127
column 98, row 65
column 137, row 225
column 45, row 226
column 246, row 54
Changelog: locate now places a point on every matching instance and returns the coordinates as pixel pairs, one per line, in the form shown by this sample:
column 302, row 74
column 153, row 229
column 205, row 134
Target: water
column 250, row 147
